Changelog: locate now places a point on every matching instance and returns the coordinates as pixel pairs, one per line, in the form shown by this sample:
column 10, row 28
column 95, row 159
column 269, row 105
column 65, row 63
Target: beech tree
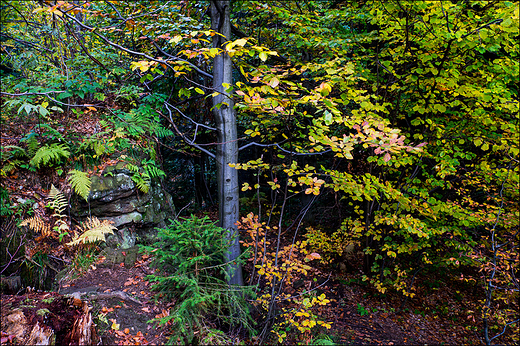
column 227, row 148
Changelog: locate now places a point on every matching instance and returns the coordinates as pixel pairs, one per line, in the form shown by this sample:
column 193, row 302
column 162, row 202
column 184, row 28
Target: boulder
column 114, row 196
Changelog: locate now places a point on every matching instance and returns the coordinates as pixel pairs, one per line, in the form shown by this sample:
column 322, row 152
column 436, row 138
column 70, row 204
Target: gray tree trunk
column 227, row 149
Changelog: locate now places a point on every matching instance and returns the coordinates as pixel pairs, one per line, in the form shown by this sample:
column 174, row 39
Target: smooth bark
column 227, row 149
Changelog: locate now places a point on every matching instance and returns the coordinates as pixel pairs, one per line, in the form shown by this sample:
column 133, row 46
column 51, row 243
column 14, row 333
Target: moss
column 42, row 312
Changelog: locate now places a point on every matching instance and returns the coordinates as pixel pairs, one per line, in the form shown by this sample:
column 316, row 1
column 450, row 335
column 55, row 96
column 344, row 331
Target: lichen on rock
column 115, row 197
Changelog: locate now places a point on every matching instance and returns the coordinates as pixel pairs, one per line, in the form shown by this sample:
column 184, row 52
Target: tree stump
column 46, row 318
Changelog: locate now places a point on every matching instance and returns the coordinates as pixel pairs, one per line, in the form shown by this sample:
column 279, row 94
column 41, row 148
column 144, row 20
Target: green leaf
column 328, row 118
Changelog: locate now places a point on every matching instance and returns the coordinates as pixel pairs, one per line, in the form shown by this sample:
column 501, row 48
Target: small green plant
column 86, row 256
column 324, row 340
column 191, row 257
column 362, row 310
column 418, row 312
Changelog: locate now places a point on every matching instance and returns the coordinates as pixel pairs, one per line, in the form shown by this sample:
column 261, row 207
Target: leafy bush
column 191, row 258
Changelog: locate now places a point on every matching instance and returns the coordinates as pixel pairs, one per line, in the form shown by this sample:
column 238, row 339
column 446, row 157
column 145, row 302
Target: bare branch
column 133, row 52
column 187, row 140
column 282, row 149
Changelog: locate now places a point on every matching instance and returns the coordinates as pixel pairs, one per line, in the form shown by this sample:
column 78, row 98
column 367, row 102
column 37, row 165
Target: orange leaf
column 127, row 331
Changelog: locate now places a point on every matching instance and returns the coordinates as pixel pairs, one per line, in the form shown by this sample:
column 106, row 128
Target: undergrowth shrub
column 298, row 311
column 191, row 258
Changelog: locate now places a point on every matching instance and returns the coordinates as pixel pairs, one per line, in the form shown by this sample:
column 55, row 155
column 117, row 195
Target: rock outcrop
column 114, row 196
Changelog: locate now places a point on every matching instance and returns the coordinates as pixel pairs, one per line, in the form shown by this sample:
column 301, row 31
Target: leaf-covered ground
column 122, row 297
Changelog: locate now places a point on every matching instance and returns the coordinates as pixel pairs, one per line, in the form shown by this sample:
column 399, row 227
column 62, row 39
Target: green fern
column 93, row 230
column 12, row 157
column 13, row 151
column 162, row 132
column 58, row 202
column 80, row 182
column 50, row 153
column 142, row 181
column 9, row 167
column 144, row 120
column 95, row 144
column 150, row 167
column 131, row 167
column 32, row 143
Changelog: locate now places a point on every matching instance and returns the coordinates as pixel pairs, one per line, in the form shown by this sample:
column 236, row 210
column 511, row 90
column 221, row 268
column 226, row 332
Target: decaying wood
column 83, row 330
column 46, row 319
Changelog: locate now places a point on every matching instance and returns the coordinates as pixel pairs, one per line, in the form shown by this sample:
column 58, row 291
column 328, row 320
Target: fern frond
column 9, row 167
column 154, row 171
column 142, row 181
column 95, row 144
column 50, row 153
column 37, row 224
column 80, row 182
column 93, row 230
column 14, row 151
column 132, row 167
column 53, row 192
column 58, row 201
column 32, row 143
column 162, row 132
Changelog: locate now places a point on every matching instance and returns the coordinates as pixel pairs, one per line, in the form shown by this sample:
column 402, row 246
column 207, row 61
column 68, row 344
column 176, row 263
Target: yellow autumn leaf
column 274, row 82
column 213, row 52
column 176, row 39
column 115, row 326
column 241, row 42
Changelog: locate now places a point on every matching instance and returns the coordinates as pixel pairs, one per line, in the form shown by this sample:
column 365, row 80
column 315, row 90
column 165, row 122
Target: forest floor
column 122, row 297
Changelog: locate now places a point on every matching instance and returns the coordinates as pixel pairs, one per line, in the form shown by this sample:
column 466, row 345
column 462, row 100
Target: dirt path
column 122, row 300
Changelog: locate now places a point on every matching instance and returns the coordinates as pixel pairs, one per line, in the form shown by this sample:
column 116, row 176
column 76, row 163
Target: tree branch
column 132, row 52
